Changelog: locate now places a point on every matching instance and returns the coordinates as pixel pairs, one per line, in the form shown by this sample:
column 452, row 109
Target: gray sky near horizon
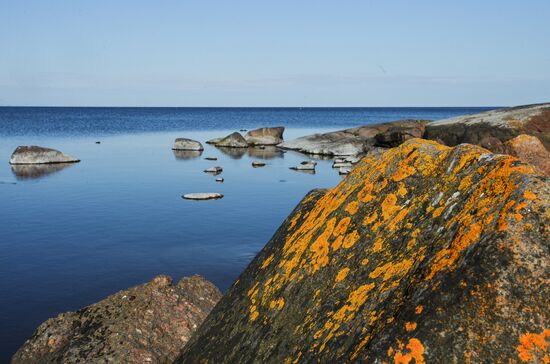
column 274, row 53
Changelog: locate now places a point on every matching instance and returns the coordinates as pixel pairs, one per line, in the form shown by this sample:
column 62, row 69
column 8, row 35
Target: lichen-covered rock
column 233, row 140
column 502, row 124
column 422, row 254
column 187, row 144
column 33, row 154
column 265, row 136
column 149, row 323
column 529, row 149
column 351, row 141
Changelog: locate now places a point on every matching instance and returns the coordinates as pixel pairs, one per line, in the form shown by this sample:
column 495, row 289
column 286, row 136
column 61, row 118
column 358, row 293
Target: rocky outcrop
column 528, row 149
column 187, row 144
column 32, row 154
column 492, row 128
column 423, row 254
column 265, row 136
column 149, row 323
column 356, row 140
column 233, row 140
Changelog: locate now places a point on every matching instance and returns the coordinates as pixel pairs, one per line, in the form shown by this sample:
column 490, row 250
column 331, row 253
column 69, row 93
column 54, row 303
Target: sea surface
column 71, row 236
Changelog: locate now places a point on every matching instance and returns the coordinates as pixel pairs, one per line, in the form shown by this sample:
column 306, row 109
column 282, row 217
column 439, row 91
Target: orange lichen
column 342, row 274
column 279, row 303
column 267, row 261
column 369, row 219
column 534, row 346
column 352, row 207
column 410, row 326
column 529, row 195
column 365, row 261
column 341, row 227
column 418, row 310
column 388, row 206
column 415, row 351
column 350, row 239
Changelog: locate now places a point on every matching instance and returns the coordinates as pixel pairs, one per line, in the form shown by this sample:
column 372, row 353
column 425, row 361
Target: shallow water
column 71, row 235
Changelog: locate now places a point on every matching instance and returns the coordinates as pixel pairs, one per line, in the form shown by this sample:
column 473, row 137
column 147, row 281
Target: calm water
column 70, row 237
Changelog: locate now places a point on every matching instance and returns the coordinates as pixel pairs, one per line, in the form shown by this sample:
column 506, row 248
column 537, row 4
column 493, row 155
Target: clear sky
column 274, row 53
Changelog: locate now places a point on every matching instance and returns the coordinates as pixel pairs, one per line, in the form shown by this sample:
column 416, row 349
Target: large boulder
column 149, row 323
column 187, row 144
column 490, row 129
column 529, row 149
column 32, row 154
column 265, row 136
column 233, row 140
column 423, row 254
column 353, row 141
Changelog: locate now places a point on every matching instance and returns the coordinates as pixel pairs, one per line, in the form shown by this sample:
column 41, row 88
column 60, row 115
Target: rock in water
column 32, row 154
column 210, row 158
column 187, row 144
column 422, row 252
column 234, row 140
column 203, row 195
column 257, row 164
column 305, row 166
column 149, row 323
column 265, row 136
column 215, row 170
column 503, row 124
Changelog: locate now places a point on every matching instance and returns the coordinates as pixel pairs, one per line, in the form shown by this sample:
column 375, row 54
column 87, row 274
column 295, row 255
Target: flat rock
column 342, row 164
column 265, row 136
column 233, row 140
column 345, row 170
column 149, row 323
column 256, row 164
column 528, row 149
column 216, row 170
column 203, row 196
column 187, row 144
column 210, row 158
column 349, row 141
column 305, row 166
column 32, row 154
column 220, row 179
column 423, row 254
column 490, row 129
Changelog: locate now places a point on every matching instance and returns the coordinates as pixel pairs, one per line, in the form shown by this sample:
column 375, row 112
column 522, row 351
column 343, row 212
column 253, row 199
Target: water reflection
column 233, row 153
column 187, row 154
column 267, row 152
column 31, row 171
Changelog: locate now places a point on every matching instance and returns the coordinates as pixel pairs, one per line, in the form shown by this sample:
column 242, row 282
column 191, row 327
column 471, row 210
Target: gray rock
column 342, row 165
column 187, row 144
column 265, row 136
column 305, row 166
column 345, row 170
column 39, row 155
column 216, row 170
column 234, row 140
column 203, row 196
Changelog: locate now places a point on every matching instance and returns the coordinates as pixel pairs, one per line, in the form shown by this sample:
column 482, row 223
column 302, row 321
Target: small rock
column 256, row 164
column 98, row 142
column 187, row 144
column 353, row 159
column 305, row 166
column 345, row 170
column 234, row 140
column 342, row 165
column 203, row 196
column 39, row 155
column 210, row 158
column 216, row 170
column 220, row 179
column 308, row 163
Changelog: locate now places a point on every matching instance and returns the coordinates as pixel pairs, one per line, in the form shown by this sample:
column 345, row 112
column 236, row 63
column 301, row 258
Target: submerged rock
column 234, row 140
column 423, row 253
column 265, row 136
column 502, row 125
column 149, row 323
column 350, row 141
column 187, row 144
column 32, row 154
column 203, row 195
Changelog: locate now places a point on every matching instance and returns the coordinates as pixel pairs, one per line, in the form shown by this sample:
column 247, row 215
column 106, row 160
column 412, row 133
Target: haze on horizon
column 281, row 53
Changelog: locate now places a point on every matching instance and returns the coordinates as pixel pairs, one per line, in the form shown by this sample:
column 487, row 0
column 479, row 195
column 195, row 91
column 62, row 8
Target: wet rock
column 32, row 154
column 234, row 140
column 529, row 149
column 210, row 158
column 203, row 196
column 350, row 141
column 215, row 170
column 187, row 144
column 422, row 254
column 149, row 323
column 265, row 136
column 501, row 124
column 257, row 164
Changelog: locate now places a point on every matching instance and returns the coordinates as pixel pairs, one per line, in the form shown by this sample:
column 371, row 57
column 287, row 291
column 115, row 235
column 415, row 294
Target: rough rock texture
column 265, row 136
column 234, row 140
column 32, row 154
column 351, row 141
column 422, row 254
column 397, row 135
column 529, row 149
column 187, row 144
column 149, row 323
column 491, row 128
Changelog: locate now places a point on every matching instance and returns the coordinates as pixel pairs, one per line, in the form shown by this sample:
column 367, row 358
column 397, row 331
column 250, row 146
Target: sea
column 70, row 236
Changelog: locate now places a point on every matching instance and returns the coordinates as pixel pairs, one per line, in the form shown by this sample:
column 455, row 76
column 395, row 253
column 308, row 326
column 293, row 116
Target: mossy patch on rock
column 424, row 253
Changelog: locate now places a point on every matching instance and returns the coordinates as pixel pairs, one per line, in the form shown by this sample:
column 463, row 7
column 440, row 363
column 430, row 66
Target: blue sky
column 274, row 53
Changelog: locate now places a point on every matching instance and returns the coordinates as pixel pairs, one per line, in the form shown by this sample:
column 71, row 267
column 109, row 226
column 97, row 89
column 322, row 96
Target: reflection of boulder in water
column 187, row 154
column 29, row 171
column 235, row 153
column 267, row 152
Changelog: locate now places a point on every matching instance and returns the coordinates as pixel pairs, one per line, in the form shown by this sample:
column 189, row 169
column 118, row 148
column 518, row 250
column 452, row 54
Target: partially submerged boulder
column 424, row 254
column 33, row 154
column 488, row 127
column 528, row 149
column 149, row 323
column 233, row 140
column 265, row 136
column 187, row 144
column 350, row 142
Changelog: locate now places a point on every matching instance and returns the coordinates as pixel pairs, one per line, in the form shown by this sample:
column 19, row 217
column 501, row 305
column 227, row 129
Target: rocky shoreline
column 428, row 251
